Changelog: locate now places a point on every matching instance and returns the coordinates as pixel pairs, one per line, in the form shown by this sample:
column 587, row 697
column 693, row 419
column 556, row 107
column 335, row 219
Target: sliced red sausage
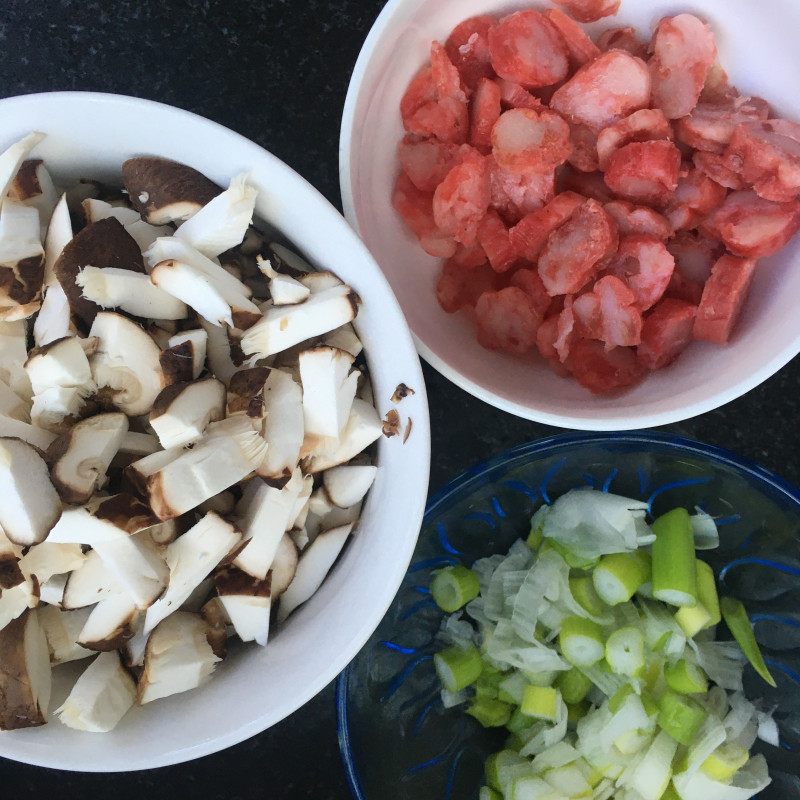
column 644, row 172
column 602, row 371
column 483, row 113
column 710, row 125
column 529, row 281
column 609, row 313
column 575, row 250
column 641, row 126
column 635, row 220
column 646, row 266
column 459, row 287
column 723, row 297
column 507, row 319
column 468, row 49
column 683, row 51
column 580, row 48
column 696, row 196
column 528, row 50
column 526, row 140
column 495, row 241
column 516, row 194
column 416, row 209
column 666, row 333
column 589, row 10
column 604, row 91
column 713, row 165
column 751, row 226
column 426, row 161
column 530, row 234
column 767, row 155
column 584, row 148
column 622, row 39
column 461, row 199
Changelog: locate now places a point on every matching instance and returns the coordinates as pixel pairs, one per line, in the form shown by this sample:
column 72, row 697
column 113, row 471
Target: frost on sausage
column 604, row 91
column 528, row 50
column 575, row 251
column 683, row 52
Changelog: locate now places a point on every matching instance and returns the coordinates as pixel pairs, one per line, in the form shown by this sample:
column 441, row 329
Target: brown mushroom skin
column 26, row 182
column 217, row 635
column 21, row 282
column 18, row 708
column 104, row 243
column 177, row 363
column 162, row 190
column 244, row 391
column 10, row 573
column 122, row 633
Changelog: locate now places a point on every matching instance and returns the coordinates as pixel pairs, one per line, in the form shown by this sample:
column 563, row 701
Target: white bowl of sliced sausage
column 588, row 209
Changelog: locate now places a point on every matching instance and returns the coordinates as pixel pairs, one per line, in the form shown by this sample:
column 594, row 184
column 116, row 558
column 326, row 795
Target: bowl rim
column 589, row 420
column 16, row 107
column 551, row 445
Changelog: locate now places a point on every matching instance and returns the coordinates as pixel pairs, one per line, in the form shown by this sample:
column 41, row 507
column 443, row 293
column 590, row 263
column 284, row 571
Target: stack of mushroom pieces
column 185, row 433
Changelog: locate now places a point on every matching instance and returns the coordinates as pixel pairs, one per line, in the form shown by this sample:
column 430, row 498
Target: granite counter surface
column 277, row 71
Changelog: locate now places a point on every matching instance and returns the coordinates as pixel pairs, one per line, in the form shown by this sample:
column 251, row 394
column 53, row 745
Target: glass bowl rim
column 466, row 480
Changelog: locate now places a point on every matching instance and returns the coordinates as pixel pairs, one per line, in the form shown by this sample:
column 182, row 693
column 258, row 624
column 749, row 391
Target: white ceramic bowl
column 90, row 135
column 758, row 48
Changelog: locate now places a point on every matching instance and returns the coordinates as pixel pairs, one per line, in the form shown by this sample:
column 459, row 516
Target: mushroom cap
column 163, row 191
column 104, row 243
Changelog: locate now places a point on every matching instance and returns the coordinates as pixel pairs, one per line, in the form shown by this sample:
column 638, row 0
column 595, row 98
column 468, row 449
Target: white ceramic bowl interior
column 758, row 48
column 90, row 135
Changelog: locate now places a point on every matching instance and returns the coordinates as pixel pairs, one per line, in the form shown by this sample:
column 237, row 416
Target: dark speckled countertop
column 276, row 71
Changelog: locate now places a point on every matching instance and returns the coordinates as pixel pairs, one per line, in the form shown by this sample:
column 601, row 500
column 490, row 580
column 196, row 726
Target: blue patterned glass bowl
column 396, row 738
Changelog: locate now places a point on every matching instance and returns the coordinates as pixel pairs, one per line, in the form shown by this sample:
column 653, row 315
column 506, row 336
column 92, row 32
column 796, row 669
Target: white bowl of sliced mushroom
column 213, row 456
